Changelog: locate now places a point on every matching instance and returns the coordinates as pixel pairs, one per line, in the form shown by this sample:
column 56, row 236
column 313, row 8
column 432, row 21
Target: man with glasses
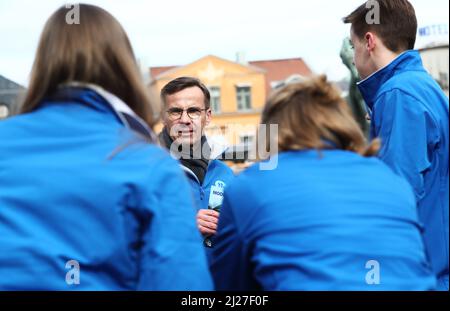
column 186, row 113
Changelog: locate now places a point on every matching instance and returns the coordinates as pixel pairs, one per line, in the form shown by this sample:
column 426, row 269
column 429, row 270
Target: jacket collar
column 217, row 150
column 121, row 110
column 369, row 87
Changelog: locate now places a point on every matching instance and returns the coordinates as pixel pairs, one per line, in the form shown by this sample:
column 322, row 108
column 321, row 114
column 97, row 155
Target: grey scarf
column 193, row 159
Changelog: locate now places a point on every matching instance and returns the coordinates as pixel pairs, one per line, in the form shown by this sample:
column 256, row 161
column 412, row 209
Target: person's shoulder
column 411, row 85
column 6, row 124
column 379, row 170
column 145, row 154
column 250, row 177
column 403, row 96
column 152, row 169
column 397, row 83
column 16, row 125
column 13, row 120
column 221, row 168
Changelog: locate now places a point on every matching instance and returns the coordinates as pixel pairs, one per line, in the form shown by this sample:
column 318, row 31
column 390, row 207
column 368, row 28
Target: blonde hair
column 312, row 115
column 96, row 51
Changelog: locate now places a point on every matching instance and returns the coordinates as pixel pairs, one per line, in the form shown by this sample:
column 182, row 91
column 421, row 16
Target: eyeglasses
column 177, row 113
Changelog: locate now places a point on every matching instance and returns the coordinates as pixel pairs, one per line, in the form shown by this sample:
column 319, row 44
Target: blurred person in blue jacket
column 409, row 113
column 88, row 201
column 330, row 216
column 186, row 113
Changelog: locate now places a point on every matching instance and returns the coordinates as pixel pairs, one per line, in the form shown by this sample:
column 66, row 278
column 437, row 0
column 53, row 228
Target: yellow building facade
column 237, row 92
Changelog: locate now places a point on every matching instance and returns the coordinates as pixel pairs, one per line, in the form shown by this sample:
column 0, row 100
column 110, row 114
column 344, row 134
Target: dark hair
column 397, row 28
column 96, row 50
column 312, row 115
column 182, row 83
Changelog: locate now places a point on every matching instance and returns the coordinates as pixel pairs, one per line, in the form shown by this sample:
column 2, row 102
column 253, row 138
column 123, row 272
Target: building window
column 244, row 98
column 215, row 99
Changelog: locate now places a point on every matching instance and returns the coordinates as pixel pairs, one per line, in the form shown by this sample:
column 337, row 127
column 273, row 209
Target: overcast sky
column 177, row 32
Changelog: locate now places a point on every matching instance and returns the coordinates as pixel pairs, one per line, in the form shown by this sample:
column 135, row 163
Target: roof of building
column 281, row 69
column 9, row 91
column 156, row 71
column 6, row 83
column 276, row 70
column 434, row 46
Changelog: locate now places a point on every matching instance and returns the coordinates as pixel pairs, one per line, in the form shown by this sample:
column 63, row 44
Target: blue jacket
column 410, row 116
column 332, row 222
column 77, row 186
column 210, row 194
column 217, row 177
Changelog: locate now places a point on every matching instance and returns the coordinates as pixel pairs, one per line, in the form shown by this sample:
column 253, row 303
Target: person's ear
column 163, row 119
column 163, row 115
column 208, row 116
column 370, row 40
